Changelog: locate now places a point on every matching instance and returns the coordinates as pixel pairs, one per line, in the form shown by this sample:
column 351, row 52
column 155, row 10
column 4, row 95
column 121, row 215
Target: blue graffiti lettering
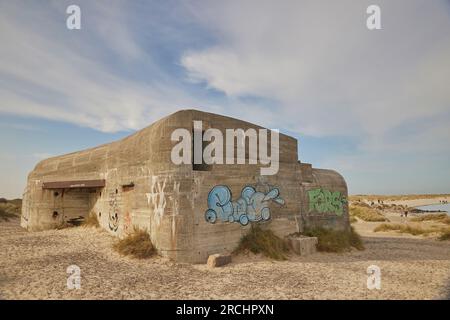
column 252, row 206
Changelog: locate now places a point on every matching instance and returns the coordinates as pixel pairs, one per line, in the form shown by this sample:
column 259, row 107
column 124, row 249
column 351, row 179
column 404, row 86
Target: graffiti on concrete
column 252, row 206
column 175, row 207
column 325, row 201
column 25, row 205
column 127, row 223
column 113, row 218
column 157, row 198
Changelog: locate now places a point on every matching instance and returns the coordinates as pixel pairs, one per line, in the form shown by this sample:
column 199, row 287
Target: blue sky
column 374, row 105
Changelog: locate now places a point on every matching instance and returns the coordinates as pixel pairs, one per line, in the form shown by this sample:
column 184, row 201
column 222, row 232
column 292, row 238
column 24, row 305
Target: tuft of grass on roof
column 366, row 214
column 265, row 242
column 335, row 240
column 137, row 245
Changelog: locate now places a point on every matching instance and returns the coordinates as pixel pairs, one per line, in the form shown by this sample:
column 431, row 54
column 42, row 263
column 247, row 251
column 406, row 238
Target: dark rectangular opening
column 71, row 184
column 128, row 187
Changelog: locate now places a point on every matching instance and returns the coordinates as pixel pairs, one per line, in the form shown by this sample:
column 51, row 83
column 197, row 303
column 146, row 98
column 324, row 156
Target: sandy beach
column 33, row 266
column 409, row 201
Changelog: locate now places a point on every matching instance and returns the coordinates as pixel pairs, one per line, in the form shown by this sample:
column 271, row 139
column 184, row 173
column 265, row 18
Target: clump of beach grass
column 137, row 245
column 91, row 221
column 440, row 217
column 335, row 240
column 366, row 214
column 445, row 235
column 265, row 242
column 8, row 210
column 404, row 228
column 5, row 215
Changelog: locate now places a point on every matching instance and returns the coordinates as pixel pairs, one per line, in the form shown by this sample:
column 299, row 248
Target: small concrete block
column 218, row 260
column 304, row 245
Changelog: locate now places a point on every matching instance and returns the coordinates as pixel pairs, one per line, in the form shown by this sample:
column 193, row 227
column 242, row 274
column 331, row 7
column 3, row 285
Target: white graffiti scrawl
column 157, row 199
column 113, row 216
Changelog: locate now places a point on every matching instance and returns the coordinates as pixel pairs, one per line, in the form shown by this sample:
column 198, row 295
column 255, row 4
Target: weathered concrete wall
column 143, row 188
column 142, row 159
column 324, row 201
column 208, row 238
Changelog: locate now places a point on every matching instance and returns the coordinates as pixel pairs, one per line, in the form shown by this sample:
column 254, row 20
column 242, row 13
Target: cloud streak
column 54, row 73
column 328, row 73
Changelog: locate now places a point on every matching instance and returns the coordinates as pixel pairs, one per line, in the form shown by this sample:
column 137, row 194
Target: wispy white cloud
column 48, row 72
column 328, row 73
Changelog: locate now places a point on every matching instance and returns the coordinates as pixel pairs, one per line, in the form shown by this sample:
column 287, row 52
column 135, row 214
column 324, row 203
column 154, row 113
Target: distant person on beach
column 406, row 213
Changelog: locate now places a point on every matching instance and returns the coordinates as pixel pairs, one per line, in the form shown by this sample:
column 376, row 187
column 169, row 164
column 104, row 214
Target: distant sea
column 436, row 207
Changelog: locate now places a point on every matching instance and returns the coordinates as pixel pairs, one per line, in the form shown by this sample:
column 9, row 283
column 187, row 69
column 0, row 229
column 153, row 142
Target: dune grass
column 265, row 242
column 335, row 241
column 5, row 215
column 9, row 210
column 413, row 229
column 445, row 235
column 91, row 221
column 366, row 214
column 137, row 245
column 440, row 217
column 402, row 228
column 353, row 219
column 16, row 202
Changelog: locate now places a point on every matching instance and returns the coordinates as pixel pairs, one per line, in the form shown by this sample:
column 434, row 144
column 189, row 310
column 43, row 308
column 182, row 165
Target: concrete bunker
column 133, row 183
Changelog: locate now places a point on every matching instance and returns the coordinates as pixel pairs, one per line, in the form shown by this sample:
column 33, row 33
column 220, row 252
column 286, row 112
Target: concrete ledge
column 303, row 245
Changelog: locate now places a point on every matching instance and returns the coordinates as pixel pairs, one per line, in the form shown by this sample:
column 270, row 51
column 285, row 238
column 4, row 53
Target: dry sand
column 33, row 266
